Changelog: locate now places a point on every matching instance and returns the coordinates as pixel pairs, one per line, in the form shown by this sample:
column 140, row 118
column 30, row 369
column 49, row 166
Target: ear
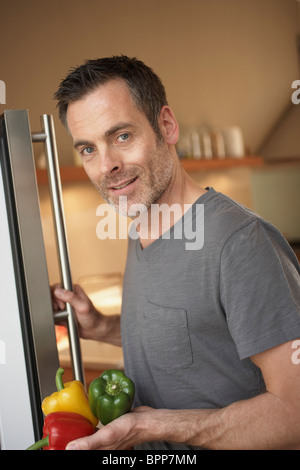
column 168, row 125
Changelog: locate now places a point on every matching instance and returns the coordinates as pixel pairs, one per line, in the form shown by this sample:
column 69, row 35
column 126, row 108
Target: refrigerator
column 29, row 355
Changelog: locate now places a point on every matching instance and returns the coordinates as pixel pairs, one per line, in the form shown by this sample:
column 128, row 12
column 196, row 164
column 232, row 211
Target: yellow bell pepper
column 71, row 397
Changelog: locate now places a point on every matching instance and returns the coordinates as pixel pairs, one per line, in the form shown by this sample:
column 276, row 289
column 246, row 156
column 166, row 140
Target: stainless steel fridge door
column 47, row 135
column 29, row 358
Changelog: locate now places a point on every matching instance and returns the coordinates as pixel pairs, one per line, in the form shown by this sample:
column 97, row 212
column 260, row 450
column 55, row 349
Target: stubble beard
column 153, row 181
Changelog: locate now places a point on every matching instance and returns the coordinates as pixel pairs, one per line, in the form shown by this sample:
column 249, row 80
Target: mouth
column 123, row 185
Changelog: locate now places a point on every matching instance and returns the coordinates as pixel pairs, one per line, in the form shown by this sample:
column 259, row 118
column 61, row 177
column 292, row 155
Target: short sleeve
column 259, row 288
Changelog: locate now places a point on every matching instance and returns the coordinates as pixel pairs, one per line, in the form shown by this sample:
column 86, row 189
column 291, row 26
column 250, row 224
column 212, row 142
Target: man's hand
column 269, row 421
column 91, row 323
column 144, row 424
column 121, row 434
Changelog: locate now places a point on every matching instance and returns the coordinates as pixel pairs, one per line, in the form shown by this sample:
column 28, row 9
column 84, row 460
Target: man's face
column 120, row 151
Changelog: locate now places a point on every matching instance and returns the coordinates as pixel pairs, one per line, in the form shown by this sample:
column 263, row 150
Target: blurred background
column 224, row 63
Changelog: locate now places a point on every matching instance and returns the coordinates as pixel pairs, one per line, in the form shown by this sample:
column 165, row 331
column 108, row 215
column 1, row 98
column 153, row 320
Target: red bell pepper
column 62, row 427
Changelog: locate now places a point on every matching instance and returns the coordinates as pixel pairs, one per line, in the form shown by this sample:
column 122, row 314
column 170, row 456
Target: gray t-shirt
column 191, row 319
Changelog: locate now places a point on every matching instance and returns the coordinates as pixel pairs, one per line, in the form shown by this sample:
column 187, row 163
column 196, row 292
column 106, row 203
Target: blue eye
column 124, row 137
column 87, row 151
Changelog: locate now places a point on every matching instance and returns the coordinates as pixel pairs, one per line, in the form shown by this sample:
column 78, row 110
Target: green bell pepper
column 111, row 395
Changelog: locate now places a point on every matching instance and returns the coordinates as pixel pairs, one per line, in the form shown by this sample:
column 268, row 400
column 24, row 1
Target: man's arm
column 268, row 421
column 91, row 323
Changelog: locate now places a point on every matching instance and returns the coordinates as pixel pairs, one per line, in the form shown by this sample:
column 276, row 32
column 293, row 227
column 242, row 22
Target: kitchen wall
column 223, row 62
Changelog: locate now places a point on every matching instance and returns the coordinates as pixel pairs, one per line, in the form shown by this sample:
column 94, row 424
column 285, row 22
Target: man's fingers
column 78, row 301
column 85, row 443
column 62, row 296
column 57, row 304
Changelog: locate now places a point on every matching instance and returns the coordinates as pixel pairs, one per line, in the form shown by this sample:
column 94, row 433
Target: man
column 208, row 333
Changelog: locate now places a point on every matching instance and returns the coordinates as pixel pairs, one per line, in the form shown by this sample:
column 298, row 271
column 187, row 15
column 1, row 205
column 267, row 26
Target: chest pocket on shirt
column 166, row 337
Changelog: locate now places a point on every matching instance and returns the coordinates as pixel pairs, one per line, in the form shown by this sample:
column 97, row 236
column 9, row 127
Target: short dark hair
column 144, row 85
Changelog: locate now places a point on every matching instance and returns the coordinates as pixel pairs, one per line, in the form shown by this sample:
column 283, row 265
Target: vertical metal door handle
column 48, row 136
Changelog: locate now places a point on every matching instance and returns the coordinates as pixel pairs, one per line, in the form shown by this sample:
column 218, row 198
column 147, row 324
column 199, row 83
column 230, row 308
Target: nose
column 109, row 162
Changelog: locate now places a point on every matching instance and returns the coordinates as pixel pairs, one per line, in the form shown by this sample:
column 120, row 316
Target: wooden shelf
column 68, row 174
column 74, row 174
column 192, row 165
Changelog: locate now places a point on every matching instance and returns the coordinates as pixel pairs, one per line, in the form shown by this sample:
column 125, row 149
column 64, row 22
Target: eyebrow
column 78, row 143
column 118, row 127
column 111, row 131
